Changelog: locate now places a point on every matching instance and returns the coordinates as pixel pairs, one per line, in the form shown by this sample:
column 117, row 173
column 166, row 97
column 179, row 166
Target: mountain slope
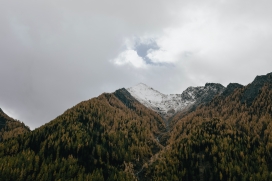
column 98, row 139
column 226, row 139
column 226, row 135
column 253, row 89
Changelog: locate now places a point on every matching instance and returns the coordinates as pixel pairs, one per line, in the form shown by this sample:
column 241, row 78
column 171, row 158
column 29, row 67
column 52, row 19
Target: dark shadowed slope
column 252, row 90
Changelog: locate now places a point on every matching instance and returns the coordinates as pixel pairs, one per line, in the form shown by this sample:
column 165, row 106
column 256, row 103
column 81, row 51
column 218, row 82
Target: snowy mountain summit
column 167, row 105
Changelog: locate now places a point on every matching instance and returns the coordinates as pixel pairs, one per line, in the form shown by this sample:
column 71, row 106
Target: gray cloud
column 54, row 54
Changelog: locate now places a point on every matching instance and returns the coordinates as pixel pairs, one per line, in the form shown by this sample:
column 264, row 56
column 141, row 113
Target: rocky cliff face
column 205, row 94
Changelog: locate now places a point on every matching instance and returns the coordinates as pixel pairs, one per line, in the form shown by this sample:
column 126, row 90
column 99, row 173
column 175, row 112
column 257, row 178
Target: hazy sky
column 56, row 53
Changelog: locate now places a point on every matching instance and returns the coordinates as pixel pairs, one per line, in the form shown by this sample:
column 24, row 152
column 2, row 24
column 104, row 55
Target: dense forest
column 114, row 137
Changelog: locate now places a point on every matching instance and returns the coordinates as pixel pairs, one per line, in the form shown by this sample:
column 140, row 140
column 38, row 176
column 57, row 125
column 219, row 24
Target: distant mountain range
column 209, row 132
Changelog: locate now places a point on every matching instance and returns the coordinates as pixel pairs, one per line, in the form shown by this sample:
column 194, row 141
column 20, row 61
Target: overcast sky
column 56, row 53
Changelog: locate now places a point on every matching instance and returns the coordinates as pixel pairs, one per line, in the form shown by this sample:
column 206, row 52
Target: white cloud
column 130, row 57
column 213, row 38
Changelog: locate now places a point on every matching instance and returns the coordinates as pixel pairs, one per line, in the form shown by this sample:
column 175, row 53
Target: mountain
column 10, row 128
column 226, row 139
column 216, row 133
column 163, row 104
column 169, row 105
column 105, row 138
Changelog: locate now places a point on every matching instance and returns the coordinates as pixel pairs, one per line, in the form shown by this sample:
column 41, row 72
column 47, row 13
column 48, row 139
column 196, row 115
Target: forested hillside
column 115, row 137
column 10, row 128
column 228, row 139
column 98, row 139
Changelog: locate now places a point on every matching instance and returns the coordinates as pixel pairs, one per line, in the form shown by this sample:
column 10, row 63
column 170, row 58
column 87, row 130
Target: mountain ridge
column 116, row 137
column 253, row 88
column 169, row 104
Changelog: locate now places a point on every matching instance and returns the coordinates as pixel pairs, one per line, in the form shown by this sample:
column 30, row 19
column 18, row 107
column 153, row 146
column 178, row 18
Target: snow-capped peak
column 161, row 103
column 145, row 93
column 167, row 105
